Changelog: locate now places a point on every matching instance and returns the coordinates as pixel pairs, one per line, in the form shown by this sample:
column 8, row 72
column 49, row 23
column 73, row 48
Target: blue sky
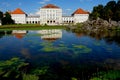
column 32, row 6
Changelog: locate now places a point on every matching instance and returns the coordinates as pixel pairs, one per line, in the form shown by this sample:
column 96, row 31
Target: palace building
column 51, row 15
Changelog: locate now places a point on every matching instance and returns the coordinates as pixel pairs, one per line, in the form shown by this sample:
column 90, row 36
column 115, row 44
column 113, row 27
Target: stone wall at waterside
column 102, row 23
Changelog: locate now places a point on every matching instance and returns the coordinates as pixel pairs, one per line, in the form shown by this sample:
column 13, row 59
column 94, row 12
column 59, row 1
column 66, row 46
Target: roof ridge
column 50, row 6
column 18, row 11
column 80, row 11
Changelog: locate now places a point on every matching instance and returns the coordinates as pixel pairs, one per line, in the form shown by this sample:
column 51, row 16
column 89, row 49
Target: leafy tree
column 94, row 15
column 111, row 11
column 118, row 5
column 100, row 10
column 117, row 16
column 1, row 15
column 97, row 12
column 111, row 5
column 107, row 15
column 117, row 13
column 7, row 19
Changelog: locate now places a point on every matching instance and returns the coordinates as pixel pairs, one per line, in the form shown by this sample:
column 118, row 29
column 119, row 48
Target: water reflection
column 19, row 33
column 81, row 54
column 109, row 36
column 4, row 33
column 51, row 34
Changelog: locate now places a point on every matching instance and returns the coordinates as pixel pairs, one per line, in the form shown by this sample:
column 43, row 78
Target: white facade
column 19, row 18
column 50, row 16
column 67, row 19
column 33, row 20
column 78, row 18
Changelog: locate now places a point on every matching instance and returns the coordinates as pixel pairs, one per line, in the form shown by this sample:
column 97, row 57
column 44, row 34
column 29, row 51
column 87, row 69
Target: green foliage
column 40, row 71
column 107, row 14
column 30, row 77
column 14, row 63
column 49, row 47
column 1, row 15
column 110, row 75
column 45, row 24
column 81, row 49
column 7, row 19
column 95, row 78
column 11, row 66
column 111, row 11
column 29, row 27
column 79, row 25
column 97, row 11
column 73, row 78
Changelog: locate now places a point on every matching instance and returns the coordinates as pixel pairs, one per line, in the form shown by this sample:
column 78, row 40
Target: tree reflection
column 3, row 33
column 109, row 36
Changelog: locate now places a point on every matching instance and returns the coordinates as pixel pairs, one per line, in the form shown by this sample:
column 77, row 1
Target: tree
column 100, row 10
column 97, row 12
column 1, row 15
column 94, row 15
column 117, row 16
column 107, row 15
column 7, row 19
column 111, row 5
column 117, row 13
column 111, row 11
column 118, row 5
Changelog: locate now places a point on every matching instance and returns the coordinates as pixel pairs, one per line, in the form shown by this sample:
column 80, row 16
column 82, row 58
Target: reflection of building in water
column 51, row 34
column 19, row 33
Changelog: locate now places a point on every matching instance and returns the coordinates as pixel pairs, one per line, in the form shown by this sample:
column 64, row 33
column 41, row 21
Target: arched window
column 27, row 22
column 33, row 22
column 72, row 21
column 50, row 21
column 47, row 21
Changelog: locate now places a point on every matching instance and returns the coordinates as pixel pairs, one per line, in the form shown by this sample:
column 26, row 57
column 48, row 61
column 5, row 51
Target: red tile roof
column 50, row 6
column 19, row 35
column 17, row 11
column 50, row 39
column 80, row 11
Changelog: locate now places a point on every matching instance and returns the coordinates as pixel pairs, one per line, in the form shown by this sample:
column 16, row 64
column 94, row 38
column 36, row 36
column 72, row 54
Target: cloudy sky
column 33, row 6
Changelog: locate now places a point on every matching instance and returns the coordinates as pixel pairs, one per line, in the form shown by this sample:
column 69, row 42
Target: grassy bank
column 29, row 27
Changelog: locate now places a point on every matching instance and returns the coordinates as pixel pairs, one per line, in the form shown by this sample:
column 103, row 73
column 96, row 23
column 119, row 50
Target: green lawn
column 29, row 27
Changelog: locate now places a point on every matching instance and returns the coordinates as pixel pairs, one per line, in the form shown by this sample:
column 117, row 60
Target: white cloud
column 64, row 13
column 44, row 2
column 31, row 14
column 37, row 12
column 68, row 9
